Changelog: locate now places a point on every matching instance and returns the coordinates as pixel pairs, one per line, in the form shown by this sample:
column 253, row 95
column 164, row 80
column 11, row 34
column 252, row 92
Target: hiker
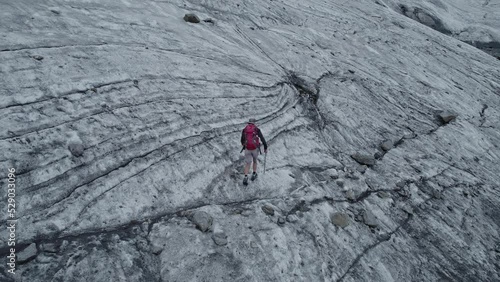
column 250, row 141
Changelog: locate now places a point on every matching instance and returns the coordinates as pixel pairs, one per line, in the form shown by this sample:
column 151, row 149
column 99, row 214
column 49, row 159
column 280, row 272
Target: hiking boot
column 254, row 176
column 245, row 180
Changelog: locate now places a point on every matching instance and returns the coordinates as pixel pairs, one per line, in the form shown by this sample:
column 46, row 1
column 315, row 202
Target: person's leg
column 255, row 154
column 248, row 161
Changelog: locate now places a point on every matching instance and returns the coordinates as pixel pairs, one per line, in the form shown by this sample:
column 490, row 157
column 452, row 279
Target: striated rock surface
column 121, row 118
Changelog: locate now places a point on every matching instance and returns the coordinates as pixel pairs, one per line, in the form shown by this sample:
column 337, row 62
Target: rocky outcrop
column 471, row 22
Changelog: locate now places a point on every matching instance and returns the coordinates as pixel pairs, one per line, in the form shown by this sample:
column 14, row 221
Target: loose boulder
column 76, row 148
column 27, row 254
column 191, row 18
column 267, row 209
column 350, row 195
column 364, row 159
column 383, row 194
column 446, row 116
column 281, row 221
column 220, row 238
column 386, row 145
column 408, row 209
column 202, row 220
column 369, row 219
column 340, row 219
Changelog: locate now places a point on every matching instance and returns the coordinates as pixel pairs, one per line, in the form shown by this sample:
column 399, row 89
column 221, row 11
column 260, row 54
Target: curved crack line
column 50, row 47
column 276, row 114
column 68, row 93
column 138, row 157
column 252, row 42
column 146, row 77
column 97, row 112
column 205, row 140
column 384, row 238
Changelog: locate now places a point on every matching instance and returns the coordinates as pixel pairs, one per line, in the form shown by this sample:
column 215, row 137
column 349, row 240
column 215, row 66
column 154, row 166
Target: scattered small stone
column 191, row 18
column 450, row 208
column 252, row 28
column 408, row 209
column 267, row 209
column 404, row 192
column 209, row 20
column 470, row 212
column 364, row 159
column 27, row 254
column 369, row 219
column 351, row 71
column 436, row 194
column 358, row 217
column 466, row 193
column 220, row 238
column 383, row 194
column 401, row 184
column 384, row 237
column 37, row 57
column 387, row 145
column 156, row 250
column 411, row 135
column 50, row 247
column 292, row 218
column 378, row 155
column 281, row 221
column 352, row 175
column 447, row 116
column 340, row 183
column 145, row 226
column 76, row 148
column 55, row 10
column 350, row 195
column 333, row 173
column 340, row 219
column 362, row 168
column 202, row 220
column 497, row 248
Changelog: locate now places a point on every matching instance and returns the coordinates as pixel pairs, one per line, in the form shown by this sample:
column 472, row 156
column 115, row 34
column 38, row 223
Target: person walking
column 251, row 136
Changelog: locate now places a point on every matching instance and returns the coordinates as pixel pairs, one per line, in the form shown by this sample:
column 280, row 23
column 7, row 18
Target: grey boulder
column 191, row 18
column 202, row 220
column 340, row 219
column 364, row 159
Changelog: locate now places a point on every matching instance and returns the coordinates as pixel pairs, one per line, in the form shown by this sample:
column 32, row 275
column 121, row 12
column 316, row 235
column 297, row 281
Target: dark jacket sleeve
column 243, row 141
column 262, row 139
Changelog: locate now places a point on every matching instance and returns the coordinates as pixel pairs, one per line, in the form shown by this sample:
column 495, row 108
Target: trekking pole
column 265, row 157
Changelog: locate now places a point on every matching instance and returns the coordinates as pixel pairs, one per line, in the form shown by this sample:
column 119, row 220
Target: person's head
column 252, row 121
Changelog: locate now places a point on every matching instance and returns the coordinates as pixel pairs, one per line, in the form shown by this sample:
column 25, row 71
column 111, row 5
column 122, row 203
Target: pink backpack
column 251, row 137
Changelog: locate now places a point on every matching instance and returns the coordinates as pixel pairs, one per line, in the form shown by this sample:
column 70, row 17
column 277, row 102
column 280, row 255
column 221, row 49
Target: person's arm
column 243, row 138
column 262, row 139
